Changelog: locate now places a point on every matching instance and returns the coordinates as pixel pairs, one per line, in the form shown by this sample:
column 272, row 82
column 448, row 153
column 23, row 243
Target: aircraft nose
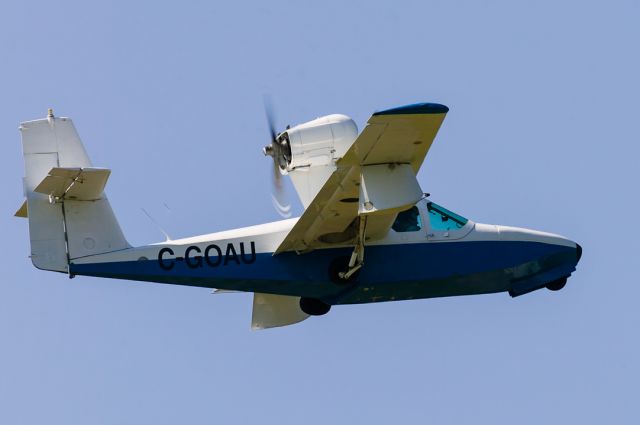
column 509, row 233
column 578, row 252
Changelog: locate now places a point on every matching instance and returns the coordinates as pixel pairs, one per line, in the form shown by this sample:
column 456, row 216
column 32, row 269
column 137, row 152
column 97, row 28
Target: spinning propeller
column 280, row 151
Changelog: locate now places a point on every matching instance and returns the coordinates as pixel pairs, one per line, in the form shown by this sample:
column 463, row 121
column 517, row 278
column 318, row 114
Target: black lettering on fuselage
column 253, row 253
column 194, row 258
column 193, row 262
column 231, row 255
column 163, row 265
column 207, row 256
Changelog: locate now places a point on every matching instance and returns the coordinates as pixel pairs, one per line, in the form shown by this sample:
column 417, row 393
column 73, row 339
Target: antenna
column 166, row 235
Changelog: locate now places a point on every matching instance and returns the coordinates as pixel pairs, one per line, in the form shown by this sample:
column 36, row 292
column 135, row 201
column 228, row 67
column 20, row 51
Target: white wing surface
column 375, row 178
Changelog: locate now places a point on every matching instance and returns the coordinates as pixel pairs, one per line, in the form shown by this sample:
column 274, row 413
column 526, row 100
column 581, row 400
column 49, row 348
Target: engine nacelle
column 320, row 142
column 315, row 147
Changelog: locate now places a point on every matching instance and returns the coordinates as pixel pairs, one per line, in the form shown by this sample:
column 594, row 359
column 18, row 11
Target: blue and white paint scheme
column 360, row 194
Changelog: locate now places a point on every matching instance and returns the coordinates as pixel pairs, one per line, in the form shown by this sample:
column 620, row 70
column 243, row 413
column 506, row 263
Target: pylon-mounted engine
column 308, row 152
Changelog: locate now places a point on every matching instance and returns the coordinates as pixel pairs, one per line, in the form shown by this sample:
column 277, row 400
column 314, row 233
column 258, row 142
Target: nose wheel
column 557, row 285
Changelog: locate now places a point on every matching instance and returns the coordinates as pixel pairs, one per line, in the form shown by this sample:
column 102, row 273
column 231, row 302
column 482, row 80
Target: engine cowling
column 310, row 151
column 319, row 142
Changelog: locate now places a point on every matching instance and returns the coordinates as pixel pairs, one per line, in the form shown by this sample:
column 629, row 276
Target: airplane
column 368, row 233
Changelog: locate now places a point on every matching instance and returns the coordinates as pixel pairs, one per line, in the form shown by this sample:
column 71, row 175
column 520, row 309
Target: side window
column 441, row 219
column 408, row 221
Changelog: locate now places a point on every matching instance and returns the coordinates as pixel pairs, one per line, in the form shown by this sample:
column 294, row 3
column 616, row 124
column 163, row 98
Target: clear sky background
column 542, row 133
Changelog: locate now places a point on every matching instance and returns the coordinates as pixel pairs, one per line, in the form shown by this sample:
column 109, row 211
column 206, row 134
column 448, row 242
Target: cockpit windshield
column 441, row 219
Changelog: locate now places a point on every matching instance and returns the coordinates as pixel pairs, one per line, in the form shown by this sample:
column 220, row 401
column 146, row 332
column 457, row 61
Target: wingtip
column 416, row 108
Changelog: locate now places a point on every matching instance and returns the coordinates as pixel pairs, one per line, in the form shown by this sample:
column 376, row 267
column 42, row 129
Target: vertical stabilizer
column 61, row 226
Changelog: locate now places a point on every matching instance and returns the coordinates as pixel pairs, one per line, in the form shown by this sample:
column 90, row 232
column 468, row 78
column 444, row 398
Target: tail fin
column 69, row 214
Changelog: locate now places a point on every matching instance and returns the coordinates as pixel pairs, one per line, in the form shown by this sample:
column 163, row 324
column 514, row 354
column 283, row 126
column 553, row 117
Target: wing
column 375, row 178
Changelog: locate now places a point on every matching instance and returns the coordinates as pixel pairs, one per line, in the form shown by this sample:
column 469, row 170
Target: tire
column 314, row 307
column 557, row 285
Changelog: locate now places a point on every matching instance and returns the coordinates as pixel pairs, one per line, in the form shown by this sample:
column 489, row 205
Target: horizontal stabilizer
column 22, row 211
column 80, row 184
column 271, row 311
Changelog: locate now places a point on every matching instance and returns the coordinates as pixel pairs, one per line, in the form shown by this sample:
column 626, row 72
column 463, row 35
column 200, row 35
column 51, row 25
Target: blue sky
column 542, row 133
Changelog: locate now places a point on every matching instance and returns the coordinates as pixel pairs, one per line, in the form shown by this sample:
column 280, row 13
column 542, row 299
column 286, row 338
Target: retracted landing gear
column 557, row 285
column 314, row 307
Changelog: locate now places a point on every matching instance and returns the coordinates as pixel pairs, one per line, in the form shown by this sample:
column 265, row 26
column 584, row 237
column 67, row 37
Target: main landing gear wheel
column 314, row 307
column 557, row 285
